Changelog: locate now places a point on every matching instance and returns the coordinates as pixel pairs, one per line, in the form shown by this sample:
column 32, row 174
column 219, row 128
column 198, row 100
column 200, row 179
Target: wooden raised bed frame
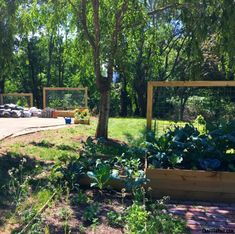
column 65, row 113
column 155, row 84
column 192, row 184
column 29, row 95
column 188, row 185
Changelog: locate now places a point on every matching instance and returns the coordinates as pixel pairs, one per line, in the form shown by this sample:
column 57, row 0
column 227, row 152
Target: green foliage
column 27, row 215
column 67, row 169
column 82, row 114
column 19, row 187
column 128, row 164
column 186, row 148
column 100, row 175
column 91, row 213
column 115, row 219
column 136, row 219
column 80, row 198
column 140, row 219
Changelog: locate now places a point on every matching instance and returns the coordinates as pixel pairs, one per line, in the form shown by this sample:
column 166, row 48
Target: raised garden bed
column 60, row 113
column 185, row 185
column 183, row 163
column 192, row 184
column 82, row 121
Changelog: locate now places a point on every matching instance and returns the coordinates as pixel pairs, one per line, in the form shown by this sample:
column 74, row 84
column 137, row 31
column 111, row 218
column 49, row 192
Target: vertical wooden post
column 44, row 98
column 1, row 99
column 86, row 98
column 31, row 99
column 149, row 106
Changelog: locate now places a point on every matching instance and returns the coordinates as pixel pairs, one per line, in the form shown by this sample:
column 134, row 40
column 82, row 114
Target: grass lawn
column 49, row 145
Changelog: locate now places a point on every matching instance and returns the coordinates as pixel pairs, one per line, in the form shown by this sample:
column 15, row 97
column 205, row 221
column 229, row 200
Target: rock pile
column 15, row 111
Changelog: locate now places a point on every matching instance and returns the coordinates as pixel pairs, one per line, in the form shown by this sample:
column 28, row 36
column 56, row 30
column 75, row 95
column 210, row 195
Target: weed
column 18, row 186
column 91, row 212
column 115, row 219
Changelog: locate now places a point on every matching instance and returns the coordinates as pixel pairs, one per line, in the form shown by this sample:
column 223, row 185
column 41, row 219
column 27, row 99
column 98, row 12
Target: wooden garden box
column 82, row 121
column 192, row 184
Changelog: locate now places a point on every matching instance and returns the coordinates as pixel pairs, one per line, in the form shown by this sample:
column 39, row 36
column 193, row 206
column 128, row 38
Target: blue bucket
column 68, row 120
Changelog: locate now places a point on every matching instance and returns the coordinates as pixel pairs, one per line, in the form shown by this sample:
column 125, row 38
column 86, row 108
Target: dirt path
column 14, row 127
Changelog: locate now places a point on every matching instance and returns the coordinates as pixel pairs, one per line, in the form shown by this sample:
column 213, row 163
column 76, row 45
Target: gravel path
column 14, row 126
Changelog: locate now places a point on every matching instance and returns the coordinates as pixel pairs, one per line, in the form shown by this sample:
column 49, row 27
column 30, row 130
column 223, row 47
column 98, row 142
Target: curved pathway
column 17, row 126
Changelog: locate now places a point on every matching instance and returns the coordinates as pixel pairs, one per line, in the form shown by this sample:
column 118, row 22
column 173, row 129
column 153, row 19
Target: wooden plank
column 1, row 99
column 194, row 195
column 31, row 100
column 193, row 185
column 63, row 89
column 58, row 113
column 44, row 98
column 149, row 106
column 190, row 175
column 17, row 94
column 86, row 97
column 192, row 83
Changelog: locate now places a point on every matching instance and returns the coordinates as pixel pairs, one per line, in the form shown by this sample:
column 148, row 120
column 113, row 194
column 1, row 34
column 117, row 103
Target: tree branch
column 175, row 5
column 117, row 29
column 83, row 17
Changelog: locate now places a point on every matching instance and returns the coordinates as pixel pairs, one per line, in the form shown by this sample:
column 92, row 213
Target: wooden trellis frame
column 155, row 84
column 30, row 95
column 45, row 89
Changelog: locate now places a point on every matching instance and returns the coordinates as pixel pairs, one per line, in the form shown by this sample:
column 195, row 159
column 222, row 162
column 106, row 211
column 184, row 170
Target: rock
column 16, row 114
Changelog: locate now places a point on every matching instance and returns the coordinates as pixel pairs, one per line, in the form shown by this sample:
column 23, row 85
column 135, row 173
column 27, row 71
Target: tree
column 7, row 30
column 103, row 37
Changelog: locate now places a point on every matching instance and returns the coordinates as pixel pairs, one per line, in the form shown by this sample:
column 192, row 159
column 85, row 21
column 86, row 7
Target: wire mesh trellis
column 177, row 103
column 20, row 99
column 65, row 98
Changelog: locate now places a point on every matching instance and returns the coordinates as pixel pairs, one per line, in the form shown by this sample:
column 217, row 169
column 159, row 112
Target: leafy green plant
column 152, row 219
column 136, row 219
column 80, row 114
column 68, row 169
column 80, row 198
column 28, row 215
column 115, row 219
column 134, row 179
column 64, row 214
column 18, row 186
column 91, row 212
column 185, row 147
column 102, row 174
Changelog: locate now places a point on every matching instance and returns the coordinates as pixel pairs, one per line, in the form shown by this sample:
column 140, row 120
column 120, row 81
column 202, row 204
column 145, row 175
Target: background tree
column 7, row 31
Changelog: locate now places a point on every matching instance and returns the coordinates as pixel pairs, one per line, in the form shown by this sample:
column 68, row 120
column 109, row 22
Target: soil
column 108, row 201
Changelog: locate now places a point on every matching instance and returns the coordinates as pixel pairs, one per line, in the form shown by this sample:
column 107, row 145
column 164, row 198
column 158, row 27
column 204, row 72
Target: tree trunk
column 182, row 107
column 32, row 71
column 137, row 109
column 124, row 98
column 2, row 85
column 102, row 127
column 50, row 50
column 142, row 103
